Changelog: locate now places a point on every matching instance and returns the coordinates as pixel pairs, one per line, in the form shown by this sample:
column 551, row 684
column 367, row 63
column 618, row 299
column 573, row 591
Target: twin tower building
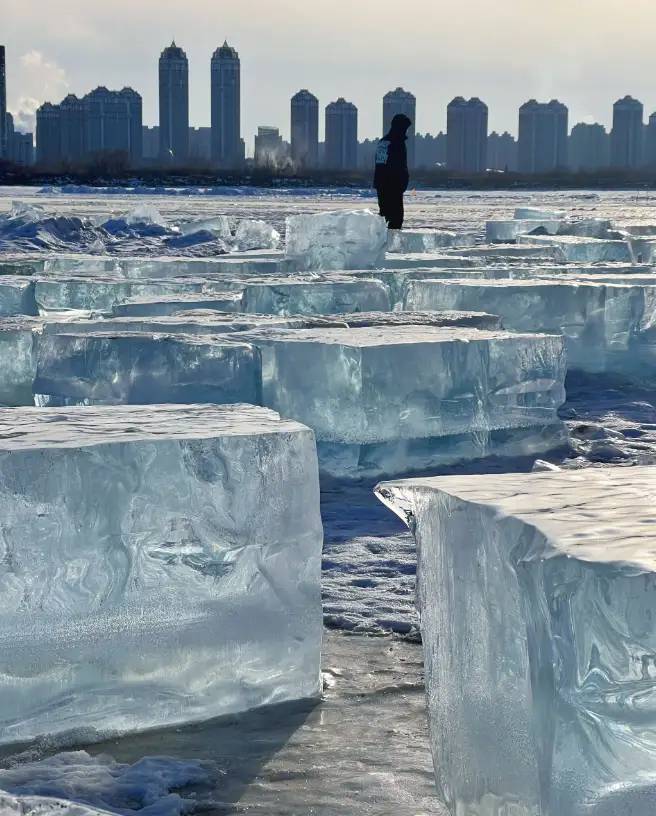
column 227, row 147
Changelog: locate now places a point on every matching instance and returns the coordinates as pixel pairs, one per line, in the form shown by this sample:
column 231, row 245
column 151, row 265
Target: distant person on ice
column 391, row 177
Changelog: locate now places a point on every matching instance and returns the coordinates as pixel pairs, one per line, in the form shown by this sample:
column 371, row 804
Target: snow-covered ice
column 178, row 581
column 337, row 240
column 75, row 783
column 112, row 368
column 389, row 399
column 170, row 304
column 537, row 595
column 607, row 326
column 321, row 296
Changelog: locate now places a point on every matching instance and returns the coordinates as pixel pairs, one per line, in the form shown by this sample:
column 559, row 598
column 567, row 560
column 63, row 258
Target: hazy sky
column 585, row 52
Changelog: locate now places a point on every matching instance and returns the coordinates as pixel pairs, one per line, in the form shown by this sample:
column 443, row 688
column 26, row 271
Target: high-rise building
column 173, row 105
column 150, row 142
column 103, row 121
column 114, row 122
column 48, row 135
column 20, row 146
column 650, row 142
column 589, row 147
column 72, row 123
column 542, row 136
column 627, row 133
column 341, row 135
column 400, row 101
column 501, row 151
column 466, row 134
column 226, row 107
column 3, row 104
column 305, row 130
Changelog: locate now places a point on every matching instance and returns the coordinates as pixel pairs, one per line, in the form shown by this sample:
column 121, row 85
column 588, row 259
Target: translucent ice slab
column 170, row 304
column 573, row 248
column 500, row 231
column 17, row 296
column 337, row 240
column 537, row 595
column 106, row 368
column 387, row 399
column 607, row 326
column 18, row 355
column 102, row 293
column 416, row 240
column 323, row 296
column 159, row 565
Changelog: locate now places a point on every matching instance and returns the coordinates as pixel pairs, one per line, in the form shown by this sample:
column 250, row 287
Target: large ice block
column 170, row 304
column 254, row 234
column 101, row 293
column 537, row 595
column 159, row 565
column 424, row 240
column 111, row 368
column 577, row 249
column 502, row 232
column 608, row 327
column 323, row 296
column 18, row 355
column 436, row 260
column 388, row 399
column 336, row 240
column 17, row 296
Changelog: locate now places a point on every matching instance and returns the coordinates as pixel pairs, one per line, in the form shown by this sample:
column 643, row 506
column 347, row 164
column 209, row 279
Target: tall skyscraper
column 589, row 147
column 542, row 136
column 173, row 105
column 400, row 101
column 341, row 135
column 72, row 123
column 48, row 135
column 466, row 134
column 3, row 104
column 305, row 130
column 626, row 137
column 226, row 107
column 113, row 122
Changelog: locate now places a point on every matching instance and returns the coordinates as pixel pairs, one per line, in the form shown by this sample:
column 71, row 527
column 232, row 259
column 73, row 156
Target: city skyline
column 80, row 48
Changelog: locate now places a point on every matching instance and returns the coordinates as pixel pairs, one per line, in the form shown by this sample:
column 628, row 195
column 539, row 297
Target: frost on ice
column 337, row 240
column 537, row 595
column 178, row 581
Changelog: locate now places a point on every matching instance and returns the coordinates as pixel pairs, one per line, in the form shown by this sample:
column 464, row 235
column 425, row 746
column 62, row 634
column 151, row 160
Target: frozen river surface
column 363, row 749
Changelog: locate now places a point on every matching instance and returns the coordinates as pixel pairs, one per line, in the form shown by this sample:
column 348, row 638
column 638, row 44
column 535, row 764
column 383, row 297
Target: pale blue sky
column 585, row 52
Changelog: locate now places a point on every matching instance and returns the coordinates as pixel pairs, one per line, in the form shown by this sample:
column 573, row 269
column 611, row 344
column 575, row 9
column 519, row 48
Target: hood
column 399, row 127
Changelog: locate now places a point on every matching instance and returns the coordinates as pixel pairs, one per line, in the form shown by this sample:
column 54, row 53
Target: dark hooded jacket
column 392, row 156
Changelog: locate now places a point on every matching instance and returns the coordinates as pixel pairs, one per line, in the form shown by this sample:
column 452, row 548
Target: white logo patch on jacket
column 382, row 152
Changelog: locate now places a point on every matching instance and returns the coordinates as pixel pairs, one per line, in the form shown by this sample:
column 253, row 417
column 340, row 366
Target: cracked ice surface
column 180, row 579
column 537, row 598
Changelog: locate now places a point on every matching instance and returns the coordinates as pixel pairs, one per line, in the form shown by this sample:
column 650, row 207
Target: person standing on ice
column 391, row 176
